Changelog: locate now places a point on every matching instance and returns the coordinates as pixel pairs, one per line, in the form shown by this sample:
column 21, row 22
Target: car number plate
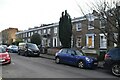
column 35, row 53
column 1, row 60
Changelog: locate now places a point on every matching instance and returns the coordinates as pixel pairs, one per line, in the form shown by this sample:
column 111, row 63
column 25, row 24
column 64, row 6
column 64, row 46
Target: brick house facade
column 85, row 33
column 8, row 35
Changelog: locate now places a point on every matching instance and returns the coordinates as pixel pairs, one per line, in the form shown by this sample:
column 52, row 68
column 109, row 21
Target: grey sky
column 23, row 14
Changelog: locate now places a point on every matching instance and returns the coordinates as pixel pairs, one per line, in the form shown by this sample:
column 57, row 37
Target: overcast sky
column 24, row 14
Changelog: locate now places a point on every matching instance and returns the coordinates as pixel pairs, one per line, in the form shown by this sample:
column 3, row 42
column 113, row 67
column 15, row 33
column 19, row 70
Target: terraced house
column 8, row 36
column 48, row 33
column 86, row 32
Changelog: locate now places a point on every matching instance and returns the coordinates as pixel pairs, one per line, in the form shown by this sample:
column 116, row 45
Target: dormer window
column 78, row 26
column 90, row 24
column 102, row 22
column 48, row 31
column 55, row 30
column 90, row 18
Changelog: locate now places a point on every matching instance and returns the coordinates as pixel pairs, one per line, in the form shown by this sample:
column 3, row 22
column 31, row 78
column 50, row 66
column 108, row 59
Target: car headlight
column 87, row 59
column 29, row 50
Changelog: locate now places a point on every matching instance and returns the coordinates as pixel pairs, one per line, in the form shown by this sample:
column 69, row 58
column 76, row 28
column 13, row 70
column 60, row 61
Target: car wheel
column 18, row 53
column 57, row 60
column 115, row 69
column 26, row 54
column 81, row 64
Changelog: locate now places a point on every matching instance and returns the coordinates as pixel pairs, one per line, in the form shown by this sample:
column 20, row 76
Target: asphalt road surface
column 38, row 67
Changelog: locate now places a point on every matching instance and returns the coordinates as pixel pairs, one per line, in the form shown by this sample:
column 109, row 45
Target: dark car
column 4, row 56
column 75, row 57
column 28, row 49
column 12, row 49
column 112, row 61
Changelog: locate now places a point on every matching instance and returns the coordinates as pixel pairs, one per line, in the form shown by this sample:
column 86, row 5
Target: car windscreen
column 2, row 50
column 79, row 53
column 32, row 46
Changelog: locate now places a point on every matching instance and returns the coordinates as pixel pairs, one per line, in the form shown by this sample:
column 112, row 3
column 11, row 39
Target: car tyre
column 81, row 64
column 26, row 54
column 57, row 60
column 115, row 69
column 18, row 52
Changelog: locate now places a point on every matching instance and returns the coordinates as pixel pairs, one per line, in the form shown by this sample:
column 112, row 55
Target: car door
column 63, row 55
column 71, row 57
column 118, row 54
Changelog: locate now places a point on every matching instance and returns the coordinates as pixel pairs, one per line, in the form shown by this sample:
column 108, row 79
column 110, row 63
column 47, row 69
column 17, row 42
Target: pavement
column 52, row 57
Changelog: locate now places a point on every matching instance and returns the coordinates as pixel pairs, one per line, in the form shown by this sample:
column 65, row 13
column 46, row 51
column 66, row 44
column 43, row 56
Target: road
column 38, row 67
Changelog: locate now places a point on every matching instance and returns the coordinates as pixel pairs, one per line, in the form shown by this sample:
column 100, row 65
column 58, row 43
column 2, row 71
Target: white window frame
column 115, row 36
column 24, row 35
column 48, row 42
column 90, row 26
column 55, row 30
column 101, row 22
column 60, row 44
column 28, row 34
column 117, row 24
column 32, row 33
column 28, row 39
column 93, row 40
column 36, row 31
column 78, row 26
column 79, row 40
column 44, row 31
column 91, row 18
column 103, row 42
column 48, row 31
column 39, row 32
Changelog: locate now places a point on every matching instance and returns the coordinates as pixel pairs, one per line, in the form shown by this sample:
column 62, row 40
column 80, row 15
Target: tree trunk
column 118, row 43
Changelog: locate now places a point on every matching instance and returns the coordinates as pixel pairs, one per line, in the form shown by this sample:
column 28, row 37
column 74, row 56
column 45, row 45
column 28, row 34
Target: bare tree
column 110, row 13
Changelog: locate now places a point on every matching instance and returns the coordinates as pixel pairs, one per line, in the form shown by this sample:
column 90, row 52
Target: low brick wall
column 52, row 51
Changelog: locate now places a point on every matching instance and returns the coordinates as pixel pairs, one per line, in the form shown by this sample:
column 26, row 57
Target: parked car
column 4, row 56
column 4, row 46
column 75, row 57
column 112, row 61
column 28, row 49
column 12, row 49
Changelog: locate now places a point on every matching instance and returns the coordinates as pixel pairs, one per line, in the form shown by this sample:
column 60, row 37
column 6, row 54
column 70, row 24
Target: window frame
column 78, row 26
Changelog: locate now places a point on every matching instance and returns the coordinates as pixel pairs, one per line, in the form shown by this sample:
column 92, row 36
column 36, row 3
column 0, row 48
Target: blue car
column 13, row 49
column 75, row 57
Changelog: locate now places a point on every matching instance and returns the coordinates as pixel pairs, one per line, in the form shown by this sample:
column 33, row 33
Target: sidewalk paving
column 52, row 57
